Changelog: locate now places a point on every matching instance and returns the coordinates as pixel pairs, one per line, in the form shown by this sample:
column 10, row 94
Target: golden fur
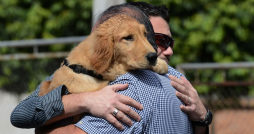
column 115, row 47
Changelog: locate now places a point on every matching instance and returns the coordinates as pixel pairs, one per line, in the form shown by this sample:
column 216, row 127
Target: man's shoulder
column 174, row 72
column 143, row 75
column 138, row 80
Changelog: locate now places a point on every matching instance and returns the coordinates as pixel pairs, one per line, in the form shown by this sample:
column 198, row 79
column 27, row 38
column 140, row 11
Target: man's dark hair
column 152, row 10
column 132, row 11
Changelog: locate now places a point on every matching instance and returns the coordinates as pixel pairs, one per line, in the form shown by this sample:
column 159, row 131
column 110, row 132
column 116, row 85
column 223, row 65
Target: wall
column 7, row 103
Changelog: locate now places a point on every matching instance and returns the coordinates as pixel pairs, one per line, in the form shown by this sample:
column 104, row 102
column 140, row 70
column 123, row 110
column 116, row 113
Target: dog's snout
column 151, row 57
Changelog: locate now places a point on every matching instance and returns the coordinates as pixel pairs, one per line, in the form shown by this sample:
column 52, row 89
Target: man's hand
column 188, row 94
column 103, row 102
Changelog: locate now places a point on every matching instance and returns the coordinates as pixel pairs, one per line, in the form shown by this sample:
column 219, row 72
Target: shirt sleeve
column 35, row 111
column 96, row 125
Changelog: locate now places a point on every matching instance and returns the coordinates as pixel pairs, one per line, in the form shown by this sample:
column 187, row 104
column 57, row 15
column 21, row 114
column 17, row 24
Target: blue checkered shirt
column 161, row 112
column 34, row 111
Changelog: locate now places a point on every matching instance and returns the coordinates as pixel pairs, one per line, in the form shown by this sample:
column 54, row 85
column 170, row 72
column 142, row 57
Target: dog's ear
column 103, row 51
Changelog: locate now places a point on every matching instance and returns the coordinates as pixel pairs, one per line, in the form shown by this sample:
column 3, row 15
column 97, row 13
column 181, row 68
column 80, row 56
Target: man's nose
column 168, row 52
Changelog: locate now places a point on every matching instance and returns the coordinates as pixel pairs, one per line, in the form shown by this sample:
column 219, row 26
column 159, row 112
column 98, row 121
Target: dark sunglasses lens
column 161, row 41
column 164, row 41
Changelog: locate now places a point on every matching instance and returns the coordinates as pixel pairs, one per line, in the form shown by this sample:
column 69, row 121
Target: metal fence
column 218, row 66
column 226, row 93
column 35, row 44
column 229, row 100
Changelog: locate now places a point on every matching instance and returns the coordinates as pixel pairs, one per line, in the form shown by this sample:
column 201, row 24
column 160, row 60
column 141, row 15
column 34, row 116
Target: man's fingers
column 173, row 78
column 179, row 84
column 184, row 98
column 131, row 102
column 128, row 111
column 125, row 99
column 122, row 117
column 179, row 88
column 119, row 87
column 124, row 109
column 185, row 109
column 185, row 80
column 112, row 120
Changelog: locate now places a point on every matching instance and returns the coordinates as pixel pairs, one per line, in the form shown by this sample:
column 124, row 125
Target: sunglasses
column 164, row 41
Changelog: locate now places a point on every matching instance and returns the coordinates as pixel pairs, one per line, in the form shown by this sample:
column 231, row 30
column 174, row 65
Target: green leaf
column 202, row 89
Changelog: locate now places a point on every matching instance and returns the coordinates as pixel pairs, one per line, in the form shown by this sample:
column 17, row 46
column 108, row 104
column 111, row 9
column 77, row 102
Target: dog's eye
column 129, row 38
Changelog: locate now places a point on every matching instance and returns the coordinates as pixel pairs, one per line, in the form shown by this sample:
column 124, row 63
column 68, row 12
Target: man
column 161, row 112
column 159, row 18
column 119, row 114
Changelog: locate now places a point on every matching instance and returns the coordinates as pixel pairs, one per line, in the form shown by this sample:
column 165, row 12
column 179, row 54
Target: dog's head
column 121, row 40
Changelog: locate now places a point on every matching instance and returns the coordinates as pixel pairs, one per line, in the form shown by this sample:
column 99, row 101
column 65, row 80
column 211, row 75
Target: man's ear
column 103, row 51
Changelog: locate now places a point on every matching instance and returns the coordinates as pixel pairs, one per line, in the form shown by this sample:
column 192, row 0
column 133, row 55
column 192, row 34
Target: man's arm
column 36, row 111
column 100, row 104
column 194, row 107
column 91, row 123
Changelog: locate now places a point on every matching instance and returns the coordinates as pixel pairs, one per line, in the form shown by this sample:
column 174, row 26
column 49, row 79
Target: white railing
column 223, row 67
column 35, row 43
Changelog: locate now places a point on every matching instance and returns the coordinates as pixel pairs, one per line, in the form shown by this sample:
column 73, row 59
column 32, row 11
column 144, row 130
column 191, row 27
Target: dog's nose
column 151, row 57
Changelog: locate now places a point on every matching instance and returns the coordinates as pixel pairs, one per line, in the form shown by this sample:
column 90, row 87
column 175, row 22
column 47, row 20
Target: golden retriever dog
column 115, row 47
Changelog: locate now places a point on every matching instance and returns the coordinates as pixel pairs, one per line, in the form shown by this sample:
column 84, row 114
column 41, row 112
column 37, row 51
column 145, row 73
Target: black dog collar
column 80, row 69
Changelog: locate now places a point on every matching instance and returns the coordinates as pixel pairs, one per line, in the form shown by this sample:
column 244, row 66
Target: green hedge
column 204, row 31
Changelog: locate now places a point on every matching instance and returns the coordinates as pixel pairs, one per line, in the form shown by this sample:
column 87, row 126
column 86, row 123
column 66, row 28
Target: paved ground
column 233, row 122
column 7, row 104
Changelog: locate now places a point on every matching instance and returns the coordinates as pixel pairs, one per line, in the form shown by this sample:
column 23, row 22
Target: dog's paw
column 161, row 67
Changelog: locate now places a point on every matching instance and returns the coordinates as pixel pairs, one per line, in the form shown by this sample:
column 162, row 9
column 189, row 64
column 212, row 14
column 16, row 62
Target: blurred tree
column 30, row 19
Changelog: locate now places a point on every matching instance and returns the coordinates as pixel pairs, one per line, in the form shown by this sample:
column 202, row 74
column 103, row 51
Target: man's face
column 161, row 26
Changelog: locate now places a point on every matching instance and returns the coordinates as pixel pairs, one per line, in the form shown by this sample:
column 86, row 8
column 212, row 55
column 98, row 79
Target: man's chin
column 165, row 59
